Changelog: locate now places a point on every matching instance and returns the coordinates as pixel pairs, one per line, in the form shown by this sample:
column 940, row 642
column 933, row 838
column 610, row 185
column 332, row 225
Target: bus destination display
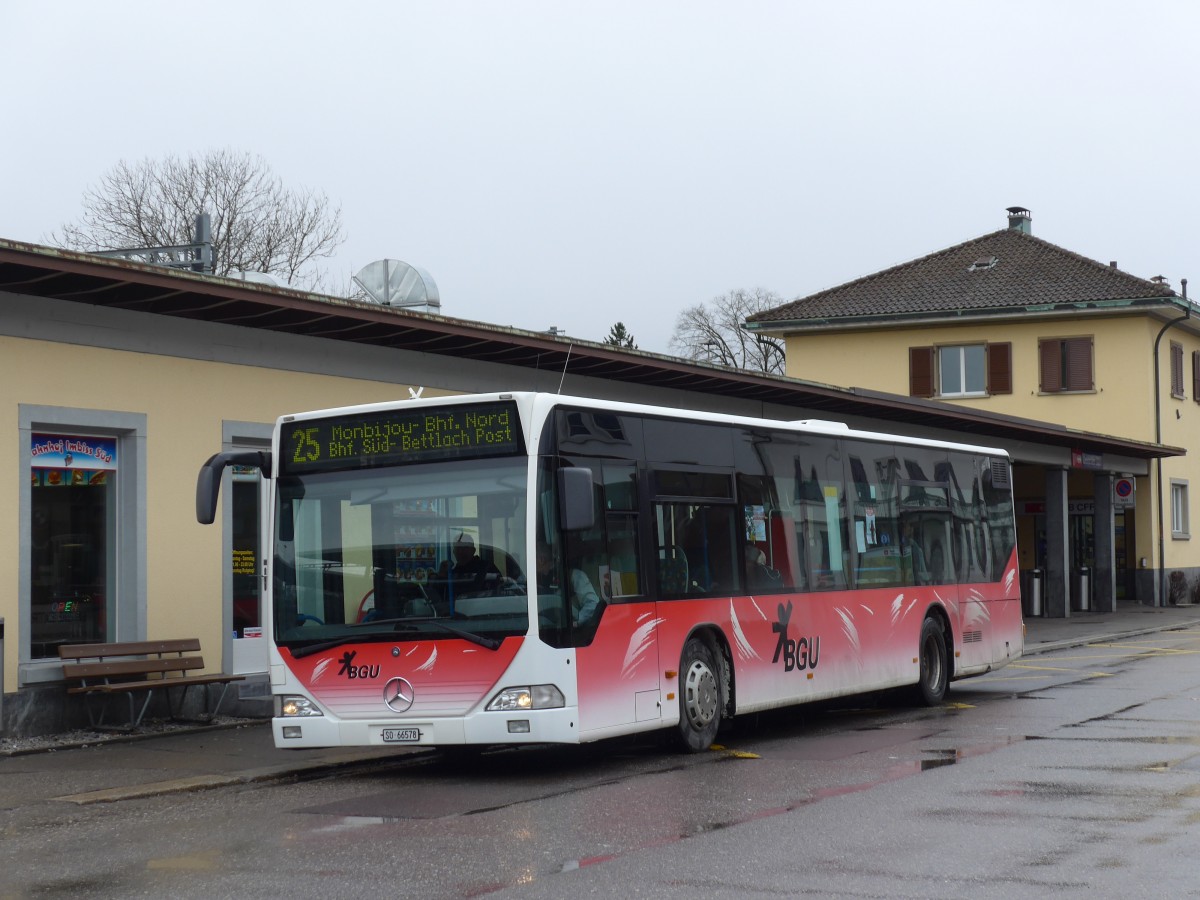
column 400, row 436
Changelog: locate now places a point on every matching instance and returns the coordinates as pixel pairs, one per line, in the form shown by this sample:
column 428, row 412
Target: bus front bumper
column 542, row 726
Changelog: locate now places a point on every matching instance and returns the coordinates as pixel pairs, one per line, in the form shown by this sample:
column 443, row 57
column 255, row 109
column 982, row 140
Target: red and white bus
column 525, row 567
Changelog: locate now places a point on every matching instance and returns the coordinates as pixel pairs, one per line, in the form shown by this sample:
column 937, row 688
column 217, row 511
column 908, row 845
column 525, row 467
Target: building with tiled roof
column 1014, row 324
column 1003, row 273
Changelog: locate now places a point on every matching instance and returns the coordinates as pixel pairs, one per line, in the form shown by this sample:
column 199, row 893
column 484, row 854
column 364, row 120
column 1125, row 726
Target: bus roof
column 541, row 403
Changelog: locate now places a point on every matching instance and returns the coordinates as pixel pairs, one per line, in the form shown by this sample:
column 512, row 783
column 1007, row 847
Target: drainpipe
column 1162, row 545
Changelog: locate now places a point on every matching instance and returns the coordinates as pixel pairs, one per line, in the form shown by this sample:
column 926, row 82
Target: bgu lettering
column 798, row 655
column 350, row 670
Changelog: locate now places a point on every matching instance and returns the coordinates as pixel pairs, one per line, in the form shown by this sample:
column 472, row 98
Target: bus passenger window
column 619, row 577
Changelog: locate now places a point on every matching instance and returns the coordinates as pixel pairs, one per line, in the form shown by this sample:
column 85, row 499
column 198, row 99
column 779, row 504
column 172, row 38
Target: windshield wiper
column 411, row 627
column 368, row 638
column 444, row 626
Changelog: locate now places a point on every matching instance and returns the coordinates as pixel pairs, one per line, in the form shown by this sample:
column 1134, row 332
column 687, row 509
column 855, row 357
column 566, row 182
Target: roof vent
column 1020, row 220
column 984, row 262
column 1161, row 279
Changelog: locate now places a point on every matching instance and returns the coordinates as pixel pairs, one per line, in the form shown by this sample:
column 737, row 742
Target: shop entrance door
column 248, row 499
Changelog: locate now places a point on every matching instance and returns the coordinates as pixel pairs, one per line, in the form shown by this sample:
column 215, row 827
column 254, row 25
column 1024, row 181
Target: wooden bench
column 137, row 667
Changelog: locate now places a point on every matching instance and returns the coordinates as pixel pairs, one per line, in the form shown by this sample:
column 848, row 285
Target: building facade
column 1013, row 324
column 118, row 380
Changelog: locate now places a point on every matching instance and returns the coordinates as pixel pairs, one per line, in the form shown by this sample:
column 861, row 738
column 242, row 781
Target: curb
column 246, row 776
column 1083, row 641
column 100, row 738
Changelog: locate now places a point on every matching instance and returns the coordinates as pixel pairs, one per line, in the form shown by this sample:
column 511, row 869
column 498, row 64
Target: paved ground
column 241, row 752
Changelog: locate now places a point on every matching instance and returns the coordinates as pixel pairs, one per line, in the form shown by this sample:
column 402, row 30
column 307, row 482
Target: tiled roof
column 1027, row 271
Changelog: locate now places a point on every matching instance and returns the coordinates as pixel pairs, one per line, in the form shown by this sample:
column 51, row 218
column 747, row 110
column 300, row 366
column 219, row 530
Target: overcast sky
column 577, row 164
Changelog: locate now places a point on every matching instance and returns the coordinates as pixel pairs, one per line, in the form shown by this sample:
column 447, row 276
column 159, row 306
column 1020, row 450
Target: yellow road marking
column 1061, row 669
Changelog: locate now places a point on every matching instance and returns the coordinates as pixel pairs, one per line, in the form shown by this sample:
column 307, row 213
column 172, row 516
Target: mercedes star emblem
column 398, row 694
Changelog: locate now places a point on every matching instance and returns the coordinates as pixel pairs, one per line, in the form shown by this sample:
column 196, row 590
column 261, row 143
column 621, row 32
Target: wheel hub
column 700, row 694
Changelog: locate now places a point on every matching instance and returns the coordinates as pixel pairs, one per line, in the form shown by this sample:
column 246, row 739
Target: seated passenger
column 759, row 576
column 585, row 602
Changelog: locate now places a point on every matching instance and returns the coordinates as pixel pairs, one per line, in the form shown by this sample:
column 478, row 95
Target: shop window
column 72, row 528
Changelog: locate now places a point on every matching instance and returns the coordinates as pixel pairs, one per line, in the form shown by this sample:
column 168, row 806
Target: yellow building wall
column 185, row 402
column 1122, row 403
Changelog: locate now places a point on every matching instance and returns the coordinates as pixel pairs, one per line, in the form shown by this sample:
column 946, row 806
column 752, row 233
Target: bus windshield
column 410, row 552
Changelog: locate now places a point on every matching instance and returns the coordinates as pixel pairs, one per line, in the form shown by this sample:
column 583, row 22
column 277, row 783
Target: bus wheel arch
column 934, row 659
column 705, row 689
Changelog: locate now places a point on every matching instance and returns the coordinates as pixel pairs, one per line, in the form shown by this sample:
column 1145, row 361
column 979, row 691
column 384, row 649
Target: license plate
column 401, row 735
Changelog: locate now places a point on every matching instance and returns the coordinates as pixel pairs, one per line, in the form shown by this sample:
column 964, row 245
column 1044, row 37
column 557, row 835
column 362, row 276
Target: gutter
column 959, row 316
column 1162, row 545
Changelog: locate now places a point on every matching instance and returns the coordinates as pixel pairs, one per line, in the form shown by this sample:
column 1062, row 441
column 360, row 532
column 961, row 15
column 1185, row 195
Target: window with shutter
column 999, row 368
column 1078, row 366
column 920, row 371
column 1177, row 370
column 1196, row 375
column 1066, row 365
column 1050, row 356
column 961, row 370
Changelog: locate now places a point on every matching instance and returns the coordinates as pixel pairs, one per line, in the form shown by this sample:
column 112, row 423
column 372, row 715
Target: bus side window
column 769, row 531
column 621, row 575
column 820, row 513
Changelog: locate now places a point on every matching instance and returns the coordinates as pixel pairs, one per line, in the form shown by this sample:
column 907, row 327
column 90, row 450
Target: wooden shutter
column 1177, row 370
column 1196, row 375
column 920, row 371
column 999, row 368
column 1077, row 367
column 1050, row 358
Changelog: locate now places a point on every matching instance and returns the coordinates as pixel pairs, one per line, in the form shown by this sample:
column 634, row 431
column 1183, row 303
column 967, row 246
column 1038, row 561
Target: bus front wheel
column 935, row 669
column 699, row 697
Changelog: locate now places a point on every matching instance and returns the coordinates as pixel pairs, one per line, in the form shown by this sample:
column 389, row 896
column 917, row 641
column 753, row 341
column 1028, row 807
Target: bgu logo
column 797, row 655
column 350, row 670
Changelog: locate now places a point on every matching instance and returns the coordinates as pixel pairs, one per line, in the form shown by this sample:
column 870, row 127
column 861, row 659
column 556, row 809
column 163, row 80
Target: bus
column 535, row 568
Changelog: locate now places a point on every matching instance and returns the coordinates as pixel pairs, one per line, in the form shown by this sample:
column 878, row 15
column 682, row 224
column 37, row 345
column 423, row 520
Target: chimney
column 1020, row 220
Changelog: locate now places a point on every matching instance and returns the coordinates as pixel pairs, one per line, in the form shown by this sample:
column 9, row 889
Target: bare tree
column 713, row 332
column 258, row 225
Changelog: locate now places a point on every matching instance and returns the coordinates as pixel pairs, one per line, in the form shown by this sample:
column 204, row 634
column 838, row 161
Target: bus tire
column 934, row 677
column 700, row 700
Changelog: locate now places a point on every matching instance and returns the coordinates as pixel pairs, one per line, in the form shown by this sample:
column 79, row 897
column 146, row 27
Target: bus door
column 609, row 609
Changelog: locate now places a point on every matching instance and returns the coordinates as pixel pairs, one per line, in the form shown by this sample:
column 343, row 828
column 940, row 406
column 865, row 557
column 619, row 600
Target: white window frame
column 1179, row 509
column 962, row 370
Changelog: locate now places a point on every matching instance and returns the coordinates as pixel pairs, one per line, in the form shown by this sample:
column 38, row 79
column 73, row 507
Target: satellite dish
column 254, row 277
column 390, row 282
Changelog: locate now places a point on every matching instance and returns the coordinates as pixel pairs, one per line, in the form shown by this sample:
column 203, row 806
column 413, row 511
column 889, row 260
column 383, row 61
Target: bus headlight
column 537, row 696
column 298, row 706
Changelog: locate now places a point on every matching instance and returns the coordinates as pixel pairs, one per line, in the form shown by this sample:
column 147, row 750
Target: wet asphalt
column 241, row 753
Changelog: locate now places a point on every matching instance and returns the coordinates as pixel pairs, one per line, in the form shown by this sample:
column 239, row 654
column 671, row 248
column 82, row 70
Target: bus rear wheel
column 699, row 697
column 935, row 668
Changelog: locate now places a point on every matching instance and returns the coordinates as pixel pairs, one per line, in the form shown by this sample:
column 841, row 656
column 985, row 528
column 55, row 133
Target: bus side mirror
column 208, row 482
column 576, row 500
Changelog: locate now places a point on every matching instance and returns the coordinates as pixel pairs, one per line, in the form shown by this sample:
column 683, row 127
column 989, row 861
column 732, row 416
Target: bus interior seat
column 672, row 571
